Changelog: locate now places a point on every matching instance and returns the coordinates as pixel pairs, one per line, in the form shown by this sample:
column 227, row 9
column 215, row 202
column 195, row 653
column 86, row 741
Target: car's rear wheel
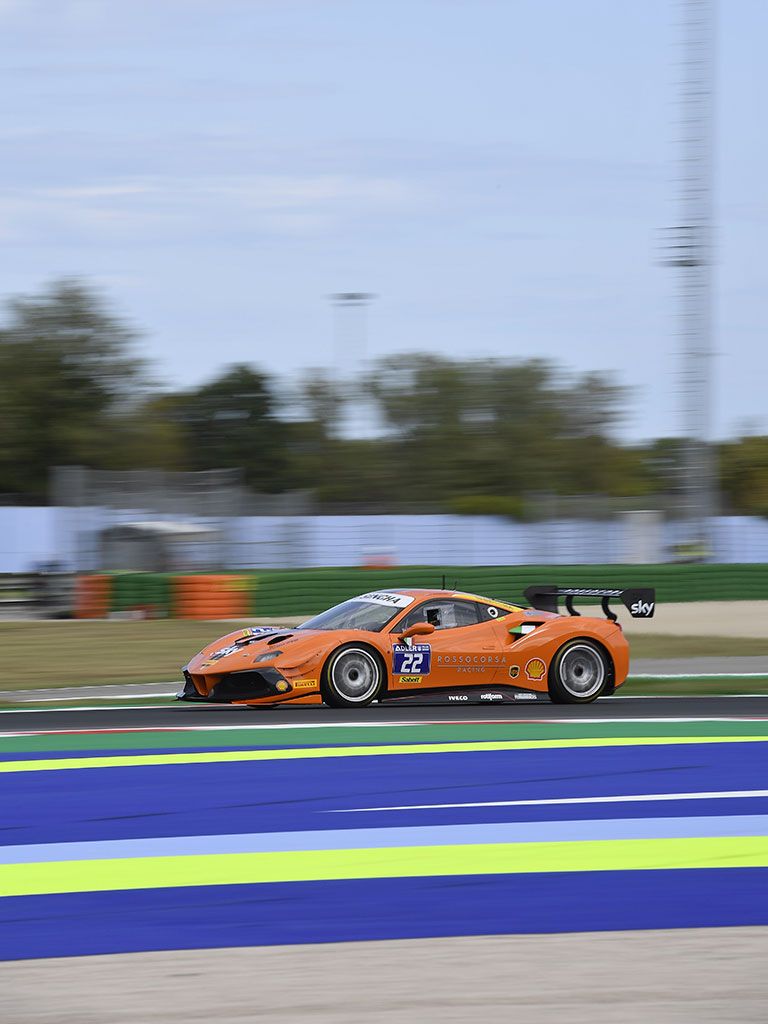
column 579, row 673
column 352, row 677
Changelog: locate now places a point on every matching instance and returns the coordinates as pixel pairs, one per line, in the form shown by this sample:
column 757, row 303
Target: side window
column 442, row 614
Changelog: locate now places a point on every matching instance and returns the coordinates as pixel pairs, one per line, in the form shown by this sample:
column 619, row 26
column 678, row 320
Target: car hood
column 238, row 651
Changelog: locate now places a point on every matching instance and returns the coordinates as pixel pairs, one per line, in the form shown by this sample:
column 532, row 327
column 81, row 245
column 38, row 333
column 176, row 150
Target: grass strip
column 78, row 653
column 244, row 739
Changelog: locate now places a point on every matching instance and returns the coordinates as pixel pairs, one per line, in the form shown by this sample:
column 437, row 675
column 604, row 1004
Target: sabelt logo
column 643, row 608
column 410, row 679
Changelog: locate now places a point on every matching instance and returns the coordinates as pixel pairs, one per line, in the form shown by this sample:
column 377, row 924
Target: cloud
column 169, row 208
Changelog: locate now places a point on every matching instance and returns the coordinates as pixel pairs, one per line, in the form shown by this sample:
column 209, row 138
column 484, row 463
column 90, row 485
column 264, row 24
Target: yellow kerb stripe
column 396, row 862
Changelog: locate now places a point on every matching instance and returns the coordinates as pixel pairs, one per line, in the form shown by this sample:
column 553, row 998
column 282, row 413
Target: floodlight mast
column 691, row 251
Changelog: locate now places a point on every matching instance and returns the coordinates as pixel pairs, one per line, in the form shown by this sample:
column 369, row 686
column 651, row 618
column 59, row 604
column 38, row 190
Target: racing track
column 198, row 828
column 178, row 714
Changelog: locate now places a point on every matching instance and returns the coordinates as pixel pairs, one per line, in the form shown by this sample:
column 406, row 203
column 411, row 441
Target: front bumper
column 268, row 683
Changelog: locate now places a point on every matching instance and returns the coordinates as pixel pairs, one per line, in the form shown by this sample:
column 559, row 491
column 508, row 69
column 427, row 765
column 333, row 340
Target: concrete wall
column 70, row 536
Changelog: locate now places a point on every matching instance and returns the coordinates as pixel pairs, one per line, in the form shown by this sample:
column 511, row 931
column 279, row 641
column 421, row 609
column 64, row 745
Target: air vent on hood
column 279, row 638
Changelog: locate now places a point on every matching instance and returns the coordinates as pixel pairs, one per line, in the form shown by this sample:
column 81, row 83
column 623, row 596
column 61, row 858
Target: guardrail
column 36, row 595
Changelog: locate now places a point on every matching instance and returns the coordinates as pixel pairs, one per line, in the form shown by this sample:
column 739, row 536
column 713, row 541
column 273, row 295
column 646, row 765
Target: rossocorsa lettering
column 471, row 659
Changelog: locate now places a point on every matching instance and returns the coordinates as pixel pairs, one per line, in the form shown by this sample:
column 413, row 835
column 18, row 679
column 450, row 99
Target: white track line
column 733, row 794
column 685, row 696
column 607, row 722
column 113, row 696
column 172, row 693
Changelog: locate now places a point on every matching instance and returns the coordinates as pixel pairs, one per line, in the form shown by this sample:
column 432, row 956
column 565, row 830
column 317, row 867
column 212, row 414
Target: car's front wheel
column 579, row 673
column 352, row 677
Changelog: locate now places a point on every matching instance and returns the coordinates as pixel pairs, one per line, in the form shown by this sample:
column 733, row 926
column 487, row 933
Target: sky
column 498, row 173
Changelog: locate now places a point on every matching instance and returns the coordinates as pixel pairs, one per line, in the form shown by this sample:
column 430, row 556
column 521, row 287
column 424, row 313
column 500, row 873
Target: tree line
column 457, row 435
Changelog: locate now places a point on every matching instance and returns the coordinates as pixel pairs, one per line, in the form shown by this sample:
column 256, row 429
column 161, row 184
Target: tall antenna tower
column 690, row 250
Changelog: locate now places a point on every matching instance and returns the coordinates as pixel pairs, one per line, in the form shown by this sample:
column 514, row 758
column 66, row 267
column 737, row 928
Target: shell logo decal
column 535, row 669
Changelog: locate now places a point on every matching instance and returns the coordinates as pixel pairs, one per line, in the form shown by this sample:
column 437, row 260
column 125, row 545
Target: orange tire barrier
column 211, row 597
column 92, row 597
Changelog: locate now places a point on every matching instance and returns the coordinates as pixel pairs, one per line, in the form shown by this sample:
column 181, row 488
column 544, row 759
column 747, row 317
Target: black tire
column 353, row 676
column 580, row 672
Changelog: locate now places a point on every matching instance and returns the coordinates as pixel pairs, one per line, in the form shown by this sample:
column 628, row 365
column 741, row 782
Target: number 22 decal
column 411, row 660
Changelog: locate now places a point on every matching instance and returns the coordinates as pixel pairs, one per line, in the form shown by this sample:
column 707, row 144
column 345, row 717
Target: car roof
column 423, row 593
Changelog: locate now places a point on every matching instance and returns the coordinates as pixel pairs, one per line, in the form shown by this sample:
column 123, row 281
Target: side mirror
column 418, row 629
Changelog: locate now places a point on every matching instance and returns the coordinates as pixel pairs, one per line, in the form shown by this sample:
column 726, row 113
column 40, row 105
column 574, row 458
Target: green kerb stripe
column 222, row 756
column 353, row 735
column 397, row 862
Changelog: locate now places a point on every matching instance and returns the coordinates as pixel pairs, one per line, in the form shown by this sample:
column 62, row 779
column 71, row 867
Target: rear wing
column 640, row 602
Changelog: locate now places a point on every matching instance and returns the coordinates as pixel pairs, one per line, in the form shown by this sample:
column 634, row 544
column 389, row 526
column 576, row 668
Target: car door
column 463, row 649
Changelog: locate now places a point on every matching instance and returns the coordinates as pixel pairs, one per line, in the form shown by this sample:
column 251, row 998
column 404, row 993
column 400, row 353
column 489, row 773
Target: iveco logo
column 457, row 697
column 642, row 608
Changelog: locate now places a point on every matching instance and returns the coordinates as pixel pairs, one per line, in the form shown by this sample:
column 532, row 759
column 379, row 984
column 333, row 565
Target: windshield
column 365, row 613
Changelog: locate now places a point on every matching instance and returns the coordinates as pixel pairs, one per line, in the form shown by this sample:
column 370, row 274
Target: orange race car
column 425, row 646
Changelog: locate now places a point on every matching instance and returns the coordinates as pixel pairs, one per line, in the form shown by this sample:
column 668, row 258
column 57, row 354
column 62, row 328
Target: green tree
column 231, row 422
column 66, row 365
column 744, row 475
column 493, row 428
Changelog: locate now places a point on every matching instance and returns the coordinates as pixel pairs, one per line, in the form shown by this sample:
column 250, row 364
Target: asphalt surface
column 180, row 714
column 682, row 976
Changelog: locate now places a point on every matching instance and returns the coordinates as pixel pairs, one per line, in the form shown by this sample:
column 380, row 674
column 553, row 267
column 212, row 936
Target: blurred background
column 400, row 288
column 306, row 298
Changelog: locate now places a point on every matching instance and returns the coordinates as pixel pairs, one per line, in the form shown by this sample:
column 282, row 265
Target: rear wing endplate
column 640, row 602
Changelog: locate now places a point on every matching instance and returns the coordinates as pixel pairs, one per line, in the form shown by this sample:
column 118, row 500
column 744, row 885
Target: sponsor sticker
column 281, row 686
column 304, row 684
column 525, row 696
column 491, row 660
column 514, row 671
column 535, row 669
column 223, row 652
column 410, row 679
column 587, row 592
column 387, row 598
column 491, row 696
column 642, row 609
column 412, row 660
column 253, row 631
column 457, row 696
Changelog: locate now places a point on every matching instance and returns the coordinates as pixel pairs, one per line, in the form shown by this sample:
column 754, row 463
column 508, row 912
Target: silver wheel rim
column 355, row 675
column 582, row 671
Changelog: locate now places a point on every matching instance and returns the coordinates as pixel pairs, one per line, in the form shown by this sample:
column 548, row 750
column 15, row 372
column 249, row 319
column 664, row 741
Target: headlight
column 267, row 656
